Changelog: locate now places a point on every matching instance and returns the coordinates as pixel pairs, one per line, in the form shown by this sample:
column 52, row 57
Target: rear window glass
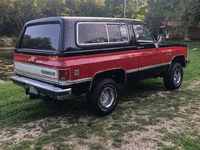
column 101, row 33
column 43, row 37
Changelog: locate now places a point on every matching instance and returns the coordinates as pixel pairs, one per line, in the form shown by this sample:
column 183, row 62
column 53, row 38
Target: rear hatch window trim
column 40, row 51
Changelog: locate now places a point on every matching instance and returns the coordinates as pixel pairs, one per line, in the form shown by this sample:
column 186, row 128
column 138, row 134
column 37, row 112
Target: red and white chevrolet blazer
column 59, row 56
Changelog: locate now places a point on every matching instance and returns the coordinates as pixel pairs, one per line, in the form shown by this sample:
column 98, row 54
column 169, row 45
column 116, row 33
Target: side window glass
column 117, row 33
column 92, row 33
column 143, row 34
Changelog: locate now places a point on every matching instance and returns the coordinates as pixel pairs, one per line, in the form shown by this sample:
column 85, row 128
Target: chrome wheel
column 177, row 76
column 103, row 98
column 107, row 97
column 174, row 78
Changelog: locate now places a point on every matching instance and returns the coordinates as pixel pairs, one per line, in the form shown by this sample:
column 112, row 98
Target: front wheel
column 174, row 78
column 103, row 98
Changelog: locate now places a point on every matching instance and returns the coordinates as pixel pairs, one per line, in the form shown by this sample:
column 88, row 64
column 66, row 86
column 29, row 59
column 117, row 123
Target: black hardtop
column 100, row 19
column 80, row 19
column 67, row 39
column 44, row 20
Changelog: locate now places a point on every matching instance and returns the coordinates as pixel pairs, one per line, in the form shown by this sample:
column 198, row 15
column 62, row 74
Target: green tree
column 6, row 22
column 51, row 8
column 136, row 9
column 24, row 10
column 15, row 13
column 3, row 5
column 85, row 8
column 114, row 8
column 181, row 12
column 157, row 11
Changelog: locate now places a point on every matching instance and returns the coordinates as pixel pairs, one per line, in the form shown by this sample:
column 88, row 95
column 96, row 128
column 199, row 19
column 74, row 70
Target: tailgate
column 37, row 72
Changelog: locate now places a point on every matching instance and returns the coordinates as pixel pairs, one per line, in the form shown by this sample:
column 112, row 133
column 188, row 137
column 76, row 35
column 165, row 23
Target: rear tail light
column 64, row 75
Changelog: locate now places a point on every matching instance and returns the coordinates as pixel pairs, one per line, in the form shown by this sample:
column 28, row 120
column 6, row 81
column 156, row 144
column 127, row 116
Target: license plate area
column 33, row 90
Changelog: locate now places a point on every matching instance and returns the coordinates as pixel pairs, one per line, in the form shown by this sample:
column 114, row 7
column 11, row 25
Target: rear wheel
column 174, row 78
column 103, row 98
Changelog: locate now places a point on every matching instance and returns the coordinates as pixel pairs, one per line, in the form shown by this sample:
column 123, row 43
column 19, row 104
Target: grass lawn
column 148, row 116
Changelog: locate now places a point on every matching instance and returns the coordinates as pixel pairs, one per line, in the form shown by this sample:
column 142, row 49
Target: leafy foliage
column 15, row 13
column 181, row 12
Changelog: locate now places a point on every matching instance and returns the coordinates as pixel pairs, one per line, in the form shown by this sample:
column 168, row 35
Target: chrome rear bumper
column 41, row 87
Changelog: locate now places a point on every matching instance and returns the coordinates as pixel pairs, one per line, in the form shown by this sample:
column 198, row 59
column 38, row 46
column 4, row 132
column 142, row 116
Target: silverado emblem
column 31, row 59
column 48, row 72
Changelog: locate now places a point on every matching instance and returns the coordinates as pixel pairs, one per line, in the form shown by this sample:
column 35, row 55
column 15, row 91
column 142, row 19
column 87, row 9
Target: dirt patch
column 128, row 104
column 148, row 139
column 192, row 85
column 32, row 130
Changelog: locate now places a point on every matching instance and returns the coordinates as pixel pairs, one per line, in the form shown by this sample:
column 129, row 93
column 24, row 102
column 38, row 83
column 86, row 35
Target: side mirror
column 159, row 39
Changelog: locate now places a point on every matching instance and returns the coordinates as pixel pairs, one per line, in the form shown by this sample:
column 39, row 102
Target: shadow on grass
column 140, row 89
column 28, row 110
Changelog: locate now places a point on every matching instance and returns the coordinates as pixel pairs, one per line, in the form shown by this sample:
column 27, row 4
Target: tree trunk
column 1, row 20
column 186, row 33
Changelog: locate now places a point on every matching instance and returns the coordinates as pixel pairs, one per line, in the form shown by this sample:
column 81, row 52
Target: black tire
column 174, row 78
column 103, row 98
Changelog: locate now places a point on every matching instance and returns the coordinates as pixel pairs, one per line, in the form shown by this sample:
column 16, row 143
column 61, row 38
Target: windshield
column 45, row 37
column 143, row 33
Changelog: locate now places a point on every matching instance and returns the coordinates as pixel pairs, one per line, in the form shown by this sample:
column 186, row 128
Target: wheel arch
column 180, row 59
column 117, row 74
